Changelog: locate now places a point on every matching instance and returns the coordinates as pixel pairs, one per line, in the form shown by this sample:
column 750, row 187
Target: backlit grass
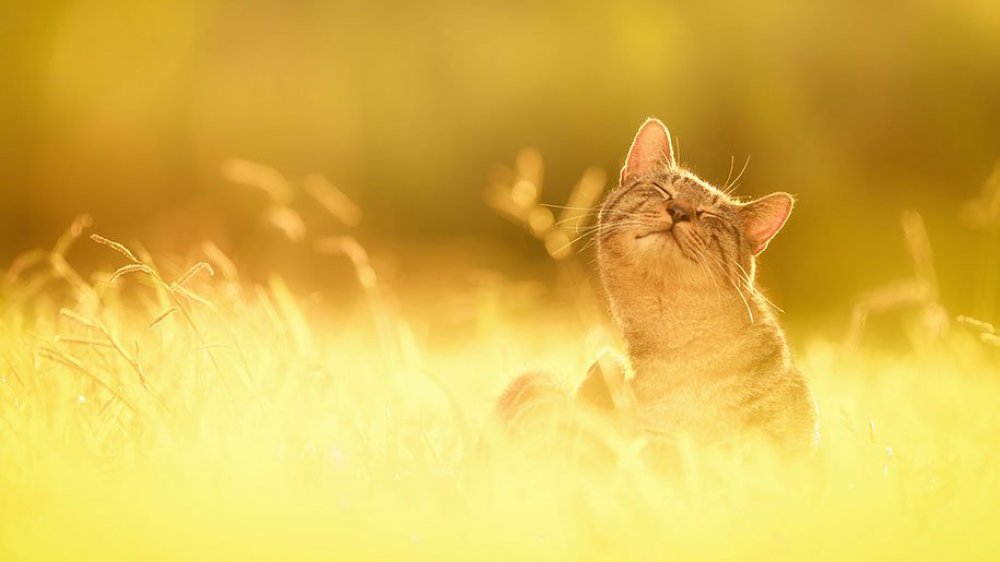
column 145, row 416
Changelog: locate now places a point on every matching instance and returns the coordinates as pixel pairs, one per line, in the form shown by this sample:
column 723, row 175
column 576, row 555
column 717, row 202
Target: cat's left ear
column 650, row 152
column 764, row 217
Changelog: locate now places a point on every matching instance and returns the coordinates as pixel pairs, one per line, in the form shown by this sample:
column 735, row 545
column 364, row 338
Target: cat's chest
column 687, row 373
column 703, row 402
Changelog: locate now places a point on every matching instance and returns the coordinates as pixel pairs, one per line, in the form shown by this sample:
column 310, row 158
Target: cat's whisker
column 750, row 285
column 744, row 299
column 578, row 219
column 592, row 214
column 587, row 246
column 595, row 226
column 583, row 231
column 701, row 252
column 730, row 187
column 737, row 286
column 600, row 230
column 605, row 232
column 732, row 164
column 568, row 207
column 721, row 266
column 586, row 229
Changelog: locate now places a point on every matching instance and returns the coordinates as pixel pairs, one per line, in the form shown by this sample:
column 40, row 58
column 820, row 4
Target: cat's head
column 664, row 223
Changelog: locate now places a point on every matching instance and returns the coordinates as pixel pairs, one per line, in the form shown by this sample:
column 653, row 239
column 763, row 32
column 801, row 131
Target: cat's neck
column 671, row 323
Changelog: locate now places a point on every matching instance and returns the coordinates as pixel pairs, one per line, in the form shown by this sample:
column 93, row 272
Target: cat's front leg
column 604, row 387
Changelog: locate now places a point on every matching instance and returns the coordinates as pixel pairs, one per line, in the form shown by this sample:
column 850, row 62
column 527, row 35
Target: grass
column 194, row 416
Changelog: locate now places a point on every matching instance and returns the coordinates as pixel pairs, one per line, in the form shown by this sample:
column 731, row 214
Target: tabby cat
column 677, row 258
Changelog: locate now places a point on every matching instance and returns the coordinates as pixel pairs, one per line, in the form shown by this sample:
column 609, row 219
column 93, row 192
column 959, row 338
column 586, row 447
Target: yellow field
column 199, row 418
column 326, row 235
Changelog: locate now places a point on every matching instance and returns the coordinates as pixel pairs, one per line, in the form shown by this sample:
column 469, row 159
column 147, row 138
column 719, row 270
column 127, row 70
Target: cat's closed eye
column 663, row 191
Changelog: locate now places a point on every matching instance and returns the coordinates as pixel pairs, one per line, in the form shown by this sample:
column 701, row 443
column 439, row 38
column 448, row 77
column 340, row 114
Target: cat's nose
column 681, row 211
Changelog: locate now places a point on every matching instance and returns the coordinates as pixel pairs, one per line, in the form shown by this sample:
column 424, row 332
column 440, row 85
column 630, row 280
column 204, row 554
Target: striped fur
column 709, row 356
column 677, row 258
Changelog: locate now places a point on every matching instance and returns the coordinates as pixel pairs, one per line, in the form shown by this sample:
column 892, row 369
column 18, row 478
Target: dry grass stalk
column 72, row 234
column 67, row 313
column 163, row 316
column 515, row 193
column 288, row 221
column 333, row 200
column 265, row 178
column 349, row 246
column 110, row 341
column 221, row 261
column 23, row 263
column 130, row 268
column 58, row 266
column 987, row 333
column 291, row 315
column 75, row 365
column 82, row 341
column 385, row 325
column 195, row 270
column 518, row 199
column 176, row 294
column 978, row 325
column 983, row 215
column 116, row 246
column 281, row 195
column 920, row 291
column 265, row 301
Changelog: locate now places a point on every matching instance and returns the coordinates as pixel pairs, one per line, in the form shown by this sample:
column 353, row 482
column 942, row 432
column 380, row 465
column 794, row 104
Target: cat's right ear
column 764, row 217
column 651, row 151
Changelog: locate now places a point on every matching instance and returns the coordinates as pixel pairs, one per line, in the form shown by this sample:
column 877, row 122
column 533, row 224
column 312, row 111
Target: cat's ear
column 651, row 151
column 764, row 217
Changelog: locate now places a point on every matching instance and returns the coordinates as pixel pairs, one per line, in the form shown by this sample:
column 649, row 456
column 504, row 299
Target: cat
column 677, row 259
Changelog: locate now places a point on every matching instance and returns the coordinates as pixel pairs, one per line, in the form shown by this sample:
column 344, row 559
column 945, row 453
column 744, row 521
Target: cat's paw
column 604, row 387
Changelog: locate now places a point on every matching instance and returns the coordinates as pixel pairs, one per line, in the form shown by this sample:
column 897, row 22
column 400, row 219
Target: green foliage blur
column 864, row 110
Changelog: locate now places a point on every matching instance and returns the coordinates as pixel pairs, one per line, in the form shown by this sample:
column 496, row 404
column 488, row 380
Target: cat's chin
column 661, row 247
column 658, row 240
column 662, row 232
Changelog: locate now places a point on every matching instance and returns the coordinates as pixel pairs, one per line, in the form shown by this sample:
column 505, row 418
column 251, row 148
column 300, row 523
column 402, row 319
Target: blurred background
column 128, row 111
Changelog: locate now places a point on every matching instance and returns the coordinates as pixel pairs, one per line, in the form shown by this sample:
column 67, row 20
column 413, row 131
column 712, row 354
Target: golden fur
column 677, row 259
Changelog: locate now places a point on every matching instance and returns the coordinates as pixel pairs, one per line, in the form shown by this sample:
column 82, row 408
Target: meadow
column 225, row 360
column 176, row 411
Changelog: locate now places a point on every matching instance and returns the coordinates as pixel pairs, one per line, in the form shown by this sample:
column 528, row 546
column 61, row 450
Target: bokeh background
column 127, row 111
